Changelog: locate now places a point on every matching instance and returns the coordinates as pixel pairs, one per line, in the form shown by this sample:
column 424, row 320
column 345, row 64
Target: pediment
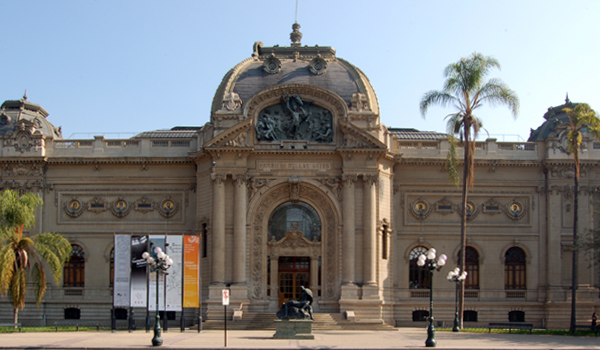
column 355, row 137
column 236, row 136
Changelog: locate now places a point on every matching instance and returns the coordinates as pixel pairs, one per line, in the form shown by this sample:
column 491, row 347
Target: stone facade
column 298, row 125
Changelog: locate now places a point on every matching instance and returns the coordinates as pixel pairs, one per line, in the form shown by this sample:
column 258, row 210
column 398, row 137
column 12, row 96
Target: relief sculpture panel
column 295, row 119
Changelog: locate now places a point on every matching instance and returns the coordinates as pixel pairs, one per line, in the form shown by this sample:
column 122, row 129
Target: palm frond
column 39, row 276
column 54, row 250
column 435, row 97
column 7, row 267
column 18, row 288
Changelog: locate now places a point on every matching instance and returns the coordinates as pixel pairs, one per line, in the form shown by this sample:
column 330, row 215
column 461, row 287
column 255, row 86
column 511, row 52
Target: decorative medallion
column 472, row 211
column 97, row 205
column 272, row 65
column 420, row 209
column 73, row 208
column 318, row 65
column 168, row 207
column 144, row 205
column 120, row 208
column 515, row 210
column 294, row 119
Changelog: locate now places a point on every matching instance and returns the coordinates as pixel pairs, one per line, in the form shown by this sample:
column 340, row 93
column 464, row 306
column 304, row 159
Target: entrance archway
column 323, row 251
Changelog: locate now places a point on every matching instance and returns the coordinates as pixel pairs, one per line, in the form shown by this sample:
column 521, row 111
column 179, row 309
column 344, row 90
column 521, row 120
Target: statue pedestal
column 293, row 329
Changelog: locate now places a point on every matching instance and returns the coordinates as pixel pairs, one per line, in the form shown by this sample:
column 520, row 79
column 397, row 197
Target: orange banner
column 191, row 264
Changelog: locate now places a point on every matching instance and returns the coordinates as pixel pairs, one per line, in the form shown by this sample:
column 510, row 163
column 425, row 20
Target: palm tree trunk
column 16, row 316
column 574, row 281
column 463, row 232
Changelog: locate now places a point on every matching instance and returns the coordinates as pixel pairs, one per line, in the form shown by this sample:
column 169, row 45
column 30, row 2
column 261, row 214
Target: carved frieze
column 294, row 119
column 334, row 184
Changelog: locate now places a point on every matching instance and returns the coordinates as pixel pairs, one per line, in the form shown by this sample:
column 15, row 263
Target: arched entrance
column 294, row 241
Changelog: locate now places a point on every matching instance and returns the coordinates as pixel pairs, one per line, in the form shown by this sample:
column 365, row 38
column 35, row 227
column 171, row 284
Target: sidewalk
column 402, row 338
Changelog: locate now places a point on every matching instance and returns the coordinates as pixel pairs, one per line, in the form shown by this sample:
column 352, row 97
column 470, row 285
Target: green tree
column 22, row 257
column 466, row 89
column 582, row 119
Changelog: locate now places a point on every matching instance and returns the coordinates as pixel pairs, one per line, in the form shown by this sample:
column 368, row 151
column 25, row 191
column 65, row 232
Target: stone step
column 265, row 321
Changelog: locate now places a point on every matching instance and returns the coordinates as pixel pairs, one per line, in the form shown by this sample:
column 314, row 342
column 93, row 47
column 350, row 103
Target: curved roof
column 555, row 116
column 312, row 65
column 15, row 111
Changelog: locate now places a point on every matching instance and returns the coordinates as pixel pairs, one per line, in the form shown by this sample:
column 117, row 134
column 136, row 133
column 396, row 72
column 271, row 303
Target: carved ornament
column 120, row 208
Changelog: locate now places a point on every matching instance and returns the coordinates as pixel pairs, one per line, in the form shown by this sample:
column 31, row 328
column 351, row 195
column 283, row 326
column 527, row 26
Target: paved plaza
column 402, row 338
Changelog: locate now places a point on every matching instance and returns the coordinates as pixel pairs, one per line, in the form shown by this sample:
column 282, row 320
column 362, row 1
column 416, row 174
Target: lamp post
column 160, row 263
column 456, row 277
column 428, row 261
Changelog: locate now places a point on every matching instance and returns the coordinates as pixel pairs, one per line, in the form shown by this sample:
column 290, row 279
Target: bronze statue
column 298, row 310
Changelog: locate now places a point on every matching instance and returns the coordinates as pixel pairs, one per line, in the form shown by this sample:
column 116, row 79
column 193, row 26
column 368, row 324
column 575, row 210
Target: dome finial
column 567, row 99
column 296, row 36
column 25, row 95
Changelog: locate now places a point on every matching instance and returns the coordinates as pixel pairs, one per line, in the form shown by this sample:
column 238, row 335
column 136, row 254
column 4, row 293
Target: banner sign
column 121, row 270
column 191, row 254
column 139, row 245
column 174, row 278
column 156, row 241
column 225, row 297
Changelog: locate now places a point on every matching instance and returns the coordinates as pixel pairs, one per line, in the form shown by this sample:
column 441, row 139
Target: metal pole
column 430, row 342
column 456, row 328
column 225, row 314
column 157, row 340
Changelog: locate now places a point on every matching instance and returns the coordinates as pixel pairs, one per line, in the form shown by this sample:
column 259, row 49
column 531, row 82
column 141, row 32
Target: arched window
column 74, row 270
column 72, row 313
column 514, row 269
column 472, row 268
column 295, row 216
column 418, row 276
column 420, row 315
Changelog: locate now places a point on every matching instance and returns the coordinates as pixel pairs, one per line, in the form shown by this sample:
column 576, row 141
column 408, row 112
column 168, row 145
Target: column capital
column 218, row 178
column 370, row 179
column 349, row 179
column 240, row 179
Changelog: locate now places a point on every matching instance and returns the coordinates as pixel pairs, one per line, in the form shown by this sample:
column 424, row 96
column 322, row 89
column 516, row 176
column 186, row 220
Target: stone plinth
column 293, row 329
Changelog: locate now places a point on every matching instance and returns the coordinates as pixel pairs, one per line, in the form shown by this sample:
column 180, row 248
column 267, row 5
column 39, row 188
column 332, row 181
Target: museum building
column 294, row 181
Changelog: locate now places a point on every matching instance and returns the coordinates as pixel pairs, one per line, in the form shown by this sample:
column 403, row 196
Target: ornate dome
column 24, row 114
column 555, row 118
column 312, row 65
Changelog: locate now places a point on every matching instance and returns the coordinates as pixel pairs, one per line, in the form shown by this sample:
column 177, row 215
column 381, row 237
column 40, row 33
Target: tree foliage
column 466, row 89
column 22, row 257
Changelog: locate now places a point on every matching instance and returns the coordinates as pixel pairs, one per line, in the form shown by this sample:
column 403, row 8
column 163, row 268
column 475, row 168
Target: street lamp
column 160, row 263
column 428, row 261
column 456, row 277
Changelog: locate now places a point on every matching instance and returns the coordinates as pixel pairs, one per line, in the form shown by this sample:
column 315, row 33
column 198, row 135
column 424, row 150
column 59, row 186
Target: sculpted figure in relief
column 294, row 119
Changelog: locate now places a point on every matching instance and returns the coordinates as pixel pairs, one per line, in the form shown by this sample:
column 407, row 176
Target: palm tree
column 581, row 119
column 466, row 89
column 21, row 257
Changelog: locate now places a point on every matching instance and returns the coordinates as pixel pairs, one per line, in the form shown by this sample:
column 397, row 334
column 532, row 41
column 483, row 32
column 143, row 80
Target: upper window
column 296, row 216
column 472, row 267
column 418, row 276
column 74, row 270
column 514, row 269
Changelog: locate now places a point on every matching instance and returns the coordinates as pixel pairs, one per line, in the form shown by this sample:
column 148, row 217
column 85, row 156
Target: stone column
column 370, row 230
column 274, row 283
column 314, row 271
column 218, row 247
column 239, row 230
column 348, row 233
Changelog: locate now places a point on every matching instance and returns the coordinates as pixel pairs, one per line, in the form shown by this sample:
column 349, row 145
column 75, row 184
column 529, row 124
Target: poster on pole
column 156, row 241
column 139, row 244
column 121, row 270
column 191, row 264
column 174, row 287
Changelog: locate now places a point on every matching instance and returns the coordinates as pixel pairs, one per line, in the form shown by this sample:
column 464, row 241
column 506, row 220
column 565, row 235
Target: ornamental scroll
column 294, row 119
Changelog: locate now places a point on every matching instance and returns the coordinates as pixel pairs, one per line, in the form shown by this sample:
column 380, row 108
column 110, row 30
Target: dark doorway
column 294, row 271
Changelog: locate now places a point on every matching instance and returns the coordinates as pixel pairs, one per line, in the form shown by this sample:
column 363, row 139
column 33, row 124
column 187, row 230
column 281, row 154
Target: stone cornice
column 120, row 160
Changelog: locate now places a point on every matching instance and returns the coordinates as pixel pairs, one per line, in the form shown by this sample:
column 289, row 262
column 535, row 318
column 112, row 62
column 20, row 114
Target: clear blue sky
column 103, row 67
